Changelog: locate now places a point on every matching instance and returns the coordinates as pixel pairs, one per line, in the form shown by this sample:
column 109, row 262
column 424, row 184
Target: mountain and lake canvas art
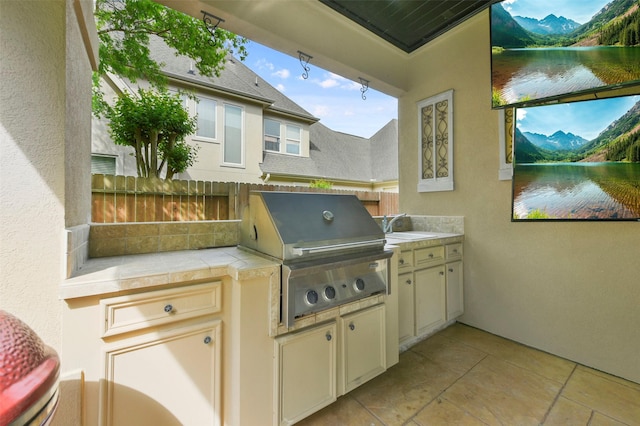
column 578, row 161
column 545, row 49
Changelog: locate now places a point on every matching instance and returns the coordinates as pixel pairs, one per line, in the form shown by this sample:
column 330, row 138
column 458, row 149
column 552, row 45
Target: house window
column 206, row 110
column 233, row 146
column 271, row 135
column 103, row 164
column 435, row 143
column 293, row 139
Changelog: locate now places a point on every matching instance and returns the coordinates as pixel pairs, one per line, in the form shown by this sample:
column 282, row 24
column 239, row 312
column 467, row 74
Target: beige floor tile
column 602, row 420
column 442, row 412
column 567, row 413
column 547, row 365
column 610, row 377
column 404, row 389
column 499, row 393
column 605, row 395
column 344, row 412
column 450, row 353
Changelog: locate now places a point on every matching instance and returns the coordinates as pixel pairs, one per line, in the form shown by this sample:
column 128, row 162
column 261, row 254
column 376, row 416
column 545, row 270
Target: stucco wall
column 45, row 100
column 32, row 175
column 571, row 289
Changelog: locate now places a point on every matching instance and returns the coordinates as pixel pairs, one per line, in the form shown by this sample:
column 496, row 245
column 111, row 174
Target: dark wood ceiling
column 408, row 24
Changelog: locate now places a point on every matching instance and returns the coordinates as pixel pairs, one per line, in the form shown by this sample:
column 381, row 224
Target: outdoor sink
column 414, row 235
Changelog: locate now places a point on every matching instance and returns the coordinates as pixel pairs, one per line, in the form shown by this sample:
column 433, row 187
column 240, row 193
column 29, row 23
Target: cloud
column 280, row 87
column 321, row 111
column 263, row 64
column 328, row 83
column 282, row 73
column 521, row 114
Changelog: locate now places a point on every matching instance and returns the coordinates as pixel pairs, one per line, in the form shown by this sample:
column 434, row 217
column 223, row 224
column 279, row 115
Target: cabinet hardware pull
column 441, row 273
column 408, row 282
column 207, row 340
column 352, row 326
column 450, row 269
column 401, row 261
column 168, row 308
column 328, row 336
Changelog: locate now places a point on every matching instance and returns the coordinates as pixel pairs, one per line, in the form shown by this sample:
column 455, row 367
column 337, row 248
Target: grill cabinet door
column 363, row 345
column 306, row 368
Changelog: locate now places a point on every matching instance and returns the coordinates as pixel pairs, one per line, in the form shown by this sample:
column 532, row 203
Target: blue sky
column 580, row 11
column 335, row 100
column 586, row 119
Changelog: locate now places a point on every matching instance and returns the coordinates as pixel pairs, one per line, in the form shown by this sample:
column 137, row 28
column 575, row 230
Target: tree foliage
column 155, row 125
column 625, row 31
column 125, row 27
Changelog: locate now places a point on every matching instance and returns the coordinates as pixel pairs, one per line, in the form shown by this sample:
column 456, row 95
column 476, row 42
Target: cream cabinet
column 162, row 357
column 406, row 311
column 430, row 289
column 455, row 298
column 430, row 299
column 307, row 372
column 316, row 365
column 363, row 346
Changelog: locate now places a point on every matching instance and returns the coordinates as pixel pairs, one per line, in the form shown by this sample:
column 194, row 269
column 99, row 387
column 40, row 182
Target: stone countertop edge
column 144, row 271
column 439, row 238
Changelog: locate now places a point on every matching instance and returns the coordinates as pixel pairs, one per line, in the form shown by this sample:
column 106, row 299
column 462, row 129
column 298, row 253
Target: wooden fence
column 126, row 199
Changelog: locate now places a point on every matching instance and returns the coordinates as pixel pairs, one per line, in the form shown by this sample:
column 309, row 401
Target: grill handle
column 300, row 251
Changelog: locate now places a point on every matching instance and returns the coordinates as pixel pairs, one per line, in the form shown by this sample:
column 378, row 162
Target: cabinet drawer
column 405, row 260
column 139, row 311
column 429, row 255
column 454, row 251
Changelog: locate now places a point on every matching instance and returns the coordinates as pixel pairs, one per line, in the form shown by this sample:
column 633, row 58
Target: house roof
column 236, row 79
column 339, row 156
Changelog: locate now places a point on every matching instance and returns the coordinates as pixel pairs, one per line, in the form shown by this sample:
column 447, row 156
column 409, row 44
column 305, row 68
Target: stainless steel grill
column 331, row 249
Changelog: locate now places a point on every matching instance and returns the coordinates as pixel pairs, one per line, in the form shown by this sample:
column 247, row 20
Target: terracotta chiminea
column 28, row 375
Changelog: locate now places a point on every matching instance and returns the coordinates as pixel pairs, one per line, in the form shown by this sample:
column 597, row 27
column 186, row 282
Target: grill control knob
column 359, row 284
column 312, row 297
column 330, row 292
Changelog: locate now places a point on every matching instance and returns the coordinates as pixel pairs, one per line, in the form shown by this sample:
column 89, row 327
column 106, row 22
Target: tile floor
column 465, row 376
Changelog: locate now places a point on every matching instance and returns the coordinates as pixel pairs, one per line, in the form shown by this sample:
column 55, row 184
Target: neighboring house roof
column 236, row 78
column 336, row 155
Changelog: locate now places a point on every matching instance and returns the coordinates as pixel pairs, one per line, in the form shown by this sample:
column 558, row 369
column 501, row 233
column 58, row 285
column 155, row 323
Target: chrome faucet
column 387, row 226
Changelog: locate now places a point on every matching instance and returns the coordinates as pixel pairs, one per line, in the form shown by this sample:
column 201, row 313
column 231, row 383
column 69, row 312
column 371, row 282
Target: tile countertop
column 120, row 273
column 427, row 239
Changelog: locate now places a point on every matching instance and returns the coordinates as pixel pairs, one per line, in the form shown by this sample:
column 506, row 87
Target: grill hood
column 293, row 226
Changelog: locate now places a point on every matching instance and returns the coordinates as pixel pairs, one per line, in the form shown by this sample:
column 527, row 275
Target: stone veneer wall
column 77, row 248
column 447, row 224
column 153, row 237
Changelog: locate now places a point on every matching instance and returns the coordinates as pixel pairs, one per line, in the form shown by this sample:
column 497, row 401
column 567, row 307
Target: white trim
column 435, row 183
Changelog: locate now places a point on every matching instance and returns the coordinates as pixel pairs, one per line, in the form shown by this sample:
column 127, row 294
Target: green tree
column 155, row 125
column 125, row 27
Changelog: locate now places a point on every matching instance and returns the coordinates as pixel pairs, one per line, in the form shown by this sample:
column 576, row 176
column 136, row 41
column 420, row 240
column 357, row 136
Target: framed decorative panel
column 435, row 143
column 506, row 121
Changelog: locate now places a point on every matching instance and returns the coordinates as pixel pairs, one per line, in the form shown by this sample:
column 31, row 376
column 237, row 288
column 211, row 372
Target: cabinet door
column 363, row 346
column 455, row 299
column 430, row 303
column 406, row 318
column 164, row 378
column 306, row 368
